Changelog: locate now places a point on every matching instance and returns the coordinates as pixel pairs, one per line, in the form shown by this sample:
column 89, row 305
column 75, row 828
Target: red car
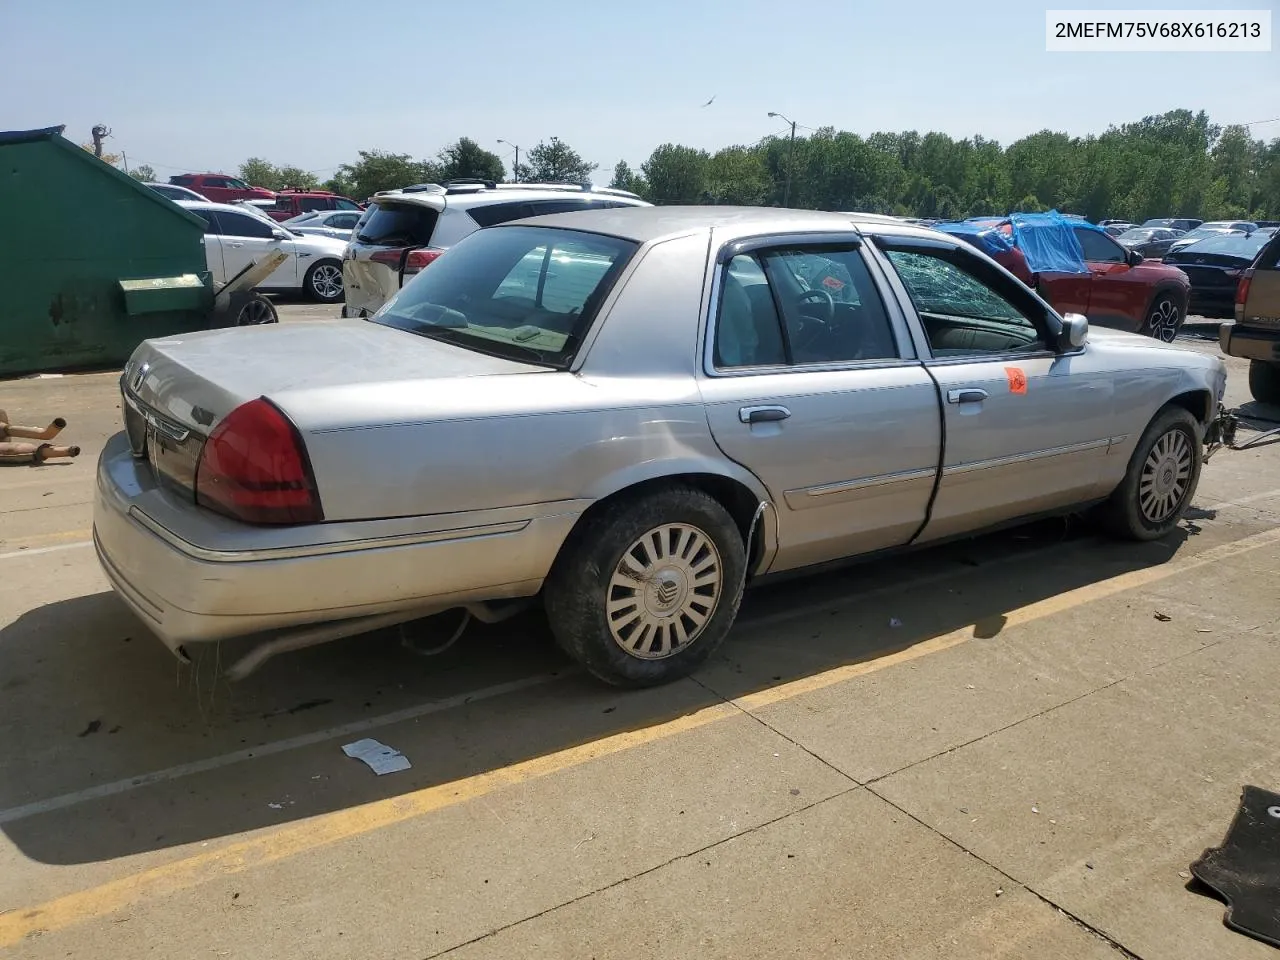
column 220, row 188
column 1120, row 289
column 292, row 203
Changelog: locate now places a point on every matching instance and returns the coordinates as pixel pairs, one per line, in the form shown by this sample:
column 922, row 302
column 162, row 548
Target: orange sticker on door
column 1017, row 379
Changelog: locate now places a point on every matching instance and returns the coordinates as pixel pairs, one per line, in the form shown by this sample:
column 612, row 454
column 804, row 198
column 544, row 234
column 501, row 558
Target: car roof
column 646, row 224
column 464, row 195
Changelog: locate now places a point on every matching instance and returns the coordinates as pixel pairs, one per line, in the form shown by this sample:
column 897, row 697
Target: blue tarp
column 1047, row 240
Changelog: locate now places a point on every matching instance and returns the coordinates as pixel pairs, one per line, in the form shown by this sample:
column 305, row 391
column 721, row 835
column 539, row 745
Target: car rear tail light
column 255, row 468
column 414, row 260
column 418, row 259
column 1242, row 288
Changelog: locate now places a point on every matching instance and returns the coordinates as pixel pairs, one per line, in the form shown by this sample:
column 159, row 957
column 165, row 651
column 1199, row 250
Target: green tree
column 297, row 178
column 555, row 161
column 260, row 173
column 676, row 174
column 624, row 178
column 736, row 176
column 467, row 160
column 143, row 173
column 377, row 170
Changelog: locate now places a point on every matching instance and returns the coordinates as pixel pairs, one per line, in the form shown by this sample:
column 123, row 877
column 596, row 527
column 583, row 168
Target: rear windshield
column 1231, row 245
column 398, row 225
column 524, row 293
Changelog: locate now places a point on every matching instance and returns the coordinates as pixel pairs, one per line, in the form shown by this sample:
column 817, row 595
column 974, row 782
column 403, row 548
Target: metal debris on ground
column 380, row 758
column 1163, row 617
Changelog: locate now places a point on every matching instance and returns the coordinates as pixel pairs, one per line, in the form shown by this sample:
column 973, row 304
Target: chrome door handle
column 770, row 414
column 968, row 395
column 235, row 244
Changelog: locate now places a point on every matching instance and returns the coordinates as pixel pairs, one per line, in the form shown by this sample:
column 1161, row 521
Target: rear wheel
column 1264, row 381
column 1160, row 481
column 324, row 281
column 1164, row 319
column 645, row 590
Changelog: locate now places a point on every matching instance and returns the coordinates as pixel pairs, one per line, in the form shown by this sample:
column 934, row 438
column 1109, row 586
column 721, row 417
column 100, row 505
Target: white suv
column 404, row 230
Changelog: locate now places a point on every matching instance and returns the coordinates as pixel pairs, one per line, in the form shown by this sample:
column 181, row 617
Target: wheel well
column 1198, row 403
column 731, row 494
column 1178, row 294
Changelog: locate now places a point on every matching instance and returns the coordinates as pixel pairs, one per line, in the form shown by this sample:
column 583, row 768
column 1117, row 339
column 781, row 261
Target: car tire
column 626, row 630
column 1160, row 480
column 1264, row 381
column 1164, row 319
column 323, row 282
column 256, row 311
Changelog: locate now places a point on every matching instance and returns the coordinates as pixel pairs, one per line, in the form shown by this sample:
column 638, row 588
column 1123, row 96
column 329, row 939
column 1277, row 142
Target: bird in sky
column 712, row 100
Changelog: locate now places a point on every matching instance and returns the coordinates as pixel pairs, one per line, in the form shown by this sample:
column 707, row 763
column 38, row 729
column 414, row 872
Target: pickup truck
column 1255, row 334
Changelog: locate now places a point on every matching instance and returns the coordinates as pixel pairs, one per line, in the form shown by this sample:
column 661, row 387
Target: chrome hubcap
column 327, row 281
column 1166, row 475
column 1164, row 321
column 663, row 591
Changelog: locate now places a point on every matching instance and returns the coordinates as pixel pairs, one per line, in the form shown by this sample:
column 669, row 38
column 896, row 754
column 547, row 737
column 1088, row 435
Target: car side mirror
column 279, row 235
column 1074, row 332
column 1134, row 258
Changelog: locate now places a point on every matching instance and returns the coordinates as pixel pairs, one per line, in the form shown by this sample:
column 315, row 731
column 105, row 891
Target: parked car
column 219, row 188
column 1116, row 227
column 1214, row 266
column 291, row 203
column 404, row 230
column 673, row 402
column 1119, row 287
column 174, row 192
column 338, row 224
column 1108, row 223
column 1150, row 241
column 237, row 236
column 1206, row 230
column 1176, row 223
column 1255, row 334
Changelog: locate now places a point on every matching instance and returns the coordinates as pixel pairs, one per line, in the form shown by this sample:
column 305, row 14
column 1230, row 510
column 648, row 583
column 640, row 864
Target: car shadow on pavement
column 88, row 698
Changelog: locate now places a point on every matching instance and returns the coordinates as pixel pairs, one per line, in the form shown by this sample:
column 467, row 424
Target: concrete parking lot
column 1008, row 747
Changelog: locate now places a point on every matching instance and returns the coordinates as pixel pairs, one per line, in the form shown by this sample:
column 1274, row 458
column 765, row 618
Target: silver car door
column 811, row 382
column 1027, row 428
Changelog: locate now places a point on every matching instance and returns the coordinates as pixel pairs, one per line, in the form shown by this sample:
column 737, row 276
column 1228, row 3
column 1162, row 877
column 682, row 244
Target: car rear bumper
column 1250, row 343
column 1213, row 303
column 190, row 592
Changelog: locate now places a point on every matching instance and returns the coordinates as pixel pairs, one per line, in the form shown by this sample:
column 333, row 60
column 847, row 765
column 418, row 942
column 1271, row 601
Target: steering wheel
column 828, row 302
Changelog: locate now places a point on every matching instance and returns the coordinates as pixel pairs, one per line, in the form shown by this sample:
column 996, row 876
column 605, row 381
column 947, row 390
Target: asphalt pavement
column 1006, row 747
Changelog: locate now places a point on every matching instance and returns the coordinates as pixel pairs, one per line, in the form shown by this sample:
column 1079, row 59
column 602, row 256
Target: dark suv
column 291, row 203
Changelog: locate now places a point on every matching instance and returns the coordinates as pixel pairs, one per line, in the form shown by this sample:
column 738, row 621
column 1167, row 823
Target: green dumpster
column 91, row 261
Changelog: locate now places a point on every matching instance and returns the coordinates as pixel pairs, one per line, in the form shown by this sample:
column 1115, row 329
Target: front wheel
column 645, row 590
column 1160, row 480
column 324, row 282
column 1164, row 320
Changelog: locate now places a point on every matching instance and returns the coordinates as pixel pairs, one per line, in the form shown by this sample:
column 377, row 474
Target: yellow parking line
column 341, row 825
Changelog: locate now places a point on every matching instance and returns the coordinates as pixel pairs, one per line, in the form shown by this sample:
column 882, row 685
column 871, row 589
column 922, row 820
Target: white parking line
column 39, row 550
column 278, row 746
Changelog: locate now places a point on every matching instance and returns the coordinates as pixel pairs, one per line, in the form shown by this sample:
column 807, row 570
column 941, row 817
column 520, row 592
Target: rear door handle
column 968, row 395
column 235, row 244
column 768, row 414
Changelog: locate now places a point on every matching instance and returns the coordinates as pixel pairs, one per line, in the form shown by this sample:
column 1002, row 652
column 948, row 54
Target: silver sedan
column 627, row 416
column 325, row 223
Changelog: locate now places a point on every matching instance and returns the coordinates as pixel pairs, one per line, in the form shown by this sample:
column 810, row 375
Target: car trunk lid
column 177, row 389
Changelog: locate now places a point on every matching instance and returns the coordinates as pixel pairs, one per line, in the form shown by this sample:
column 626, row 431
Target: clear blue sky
column 201, row 86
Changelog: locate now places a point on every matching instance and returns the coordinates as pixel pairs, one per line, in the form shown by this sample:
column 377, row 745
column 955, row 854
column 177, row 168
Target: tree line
column 1174, row 164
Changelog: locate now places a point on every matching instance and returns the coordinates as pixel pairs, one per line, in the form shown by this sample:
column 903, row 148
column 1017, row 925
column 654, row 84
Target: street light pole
column 515, row 169
column 791, row 153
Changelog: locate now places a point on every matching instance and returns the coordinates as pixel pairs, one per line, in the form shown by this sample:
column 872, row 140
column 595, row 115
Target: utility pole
column 515, row 168
column 791, row 154
column 124, row 157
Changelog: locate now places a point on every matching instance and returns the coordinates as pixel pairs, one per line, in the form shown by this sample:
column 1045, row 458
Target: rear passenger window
column 966, row 307
column 800, row 305
column 492, row 213
column 315, row 203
